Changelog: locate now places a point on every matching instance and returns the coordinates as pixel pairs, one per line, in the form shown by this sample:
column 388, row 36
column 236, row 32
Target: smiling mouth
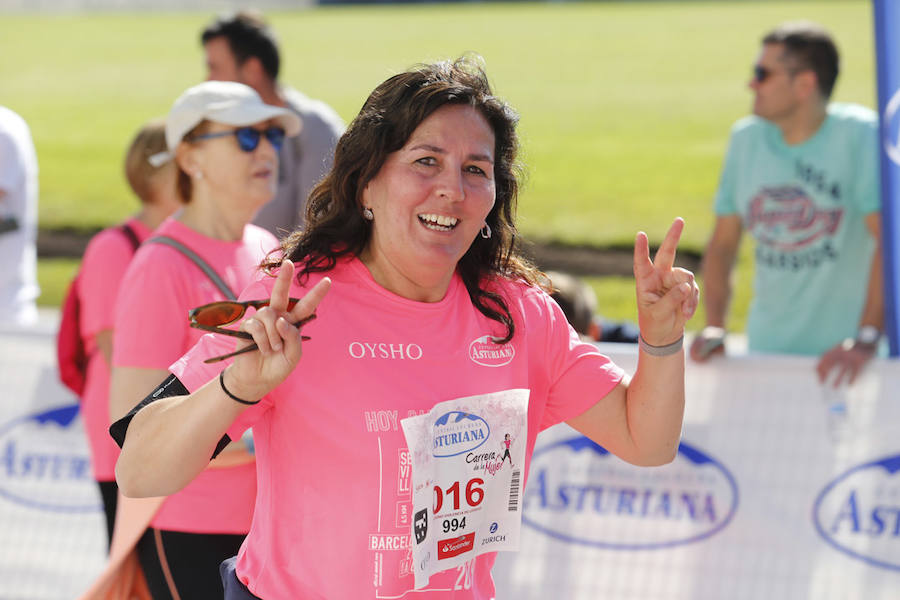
column 438, row 222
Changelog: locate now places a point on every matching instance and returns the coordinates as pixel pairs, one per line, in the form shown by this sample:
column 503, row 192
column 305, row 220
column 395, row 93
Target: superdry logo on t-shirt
column 487, row 353
column 787, row 219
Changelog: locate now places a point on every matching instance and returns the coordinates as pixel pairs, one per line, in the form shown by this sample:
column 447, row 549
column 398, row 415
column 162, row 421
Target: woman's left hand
column 667, row 296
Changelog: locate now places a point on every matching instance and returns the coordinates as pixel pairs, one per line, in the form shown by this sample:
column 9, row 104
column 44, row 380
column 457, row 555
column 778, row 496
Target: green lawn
column 625, row 106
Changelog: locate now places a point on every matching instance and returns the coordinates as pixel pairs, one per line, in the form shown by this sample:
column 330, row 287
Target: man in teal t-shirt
column 801, row 177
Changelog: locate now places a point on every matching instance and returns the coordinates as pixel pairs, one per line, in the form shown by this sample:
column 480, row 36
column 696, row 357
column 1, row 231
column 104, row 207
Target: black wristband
column 230, row 395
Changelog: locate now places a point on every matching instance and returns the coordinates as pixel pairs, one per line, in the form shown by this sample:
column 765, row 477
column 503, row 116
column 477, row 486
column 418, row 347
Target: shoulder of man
column 14, row 131
column 315, row 114
column 853, row 115
column 748, row 125
column 12, row 121
column 747, row 129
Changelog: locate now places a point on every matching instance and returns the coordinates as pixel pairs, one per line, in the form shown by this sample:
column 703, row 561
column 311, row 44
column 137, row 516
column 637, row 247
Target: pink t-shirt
column 102, row 268
column 151, row 330
column 333, row 509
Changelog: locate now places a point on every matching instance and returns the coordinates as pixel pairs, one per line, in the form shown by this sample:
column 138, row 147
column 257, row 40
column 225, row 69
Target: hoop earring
column 368, row 215
column 486, row 231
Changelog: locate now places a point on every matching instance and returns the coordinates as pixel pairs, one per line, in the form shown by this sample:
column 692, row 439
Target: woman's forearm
column 171, row 441
column 655, row 406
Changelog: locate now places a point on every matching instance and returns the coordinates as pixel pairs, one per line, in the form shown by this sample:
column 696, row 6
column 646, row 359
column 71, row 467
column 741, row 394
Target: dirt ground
column 578, row 260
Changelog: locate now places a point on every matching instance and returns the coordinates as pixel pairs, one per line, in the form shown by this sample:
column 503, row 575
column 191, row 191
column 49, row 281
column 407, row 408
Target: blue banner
column 887, row 50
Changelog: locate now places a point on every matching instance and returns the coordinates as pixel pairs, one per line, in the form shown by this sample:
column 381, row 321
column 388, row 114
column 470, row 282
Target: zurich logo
column 859, row 512
column 580, row 493
column 44, row 462
column 457, row 432
column 890, row 124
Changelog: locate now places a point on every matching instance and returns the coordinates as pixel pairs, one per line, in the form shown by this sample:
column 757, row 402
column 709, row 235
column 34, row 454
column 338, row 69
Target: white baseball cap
column 226, row 102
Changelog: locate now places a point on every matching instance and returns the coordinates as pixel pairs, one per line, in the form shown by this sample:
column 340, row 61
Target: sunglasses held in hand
column 214, row 316
column 247, row 137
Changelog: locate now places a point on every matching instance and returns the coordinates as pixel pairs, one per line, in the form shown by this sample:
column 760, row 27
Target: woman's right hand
column 252, row 375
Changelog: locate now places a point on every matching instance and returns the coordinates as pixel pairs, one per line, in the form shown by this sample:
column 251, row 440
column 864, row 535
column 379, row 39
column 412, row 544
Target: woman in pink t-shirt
column 410, row 265
column 224, row 141
column 102, row 268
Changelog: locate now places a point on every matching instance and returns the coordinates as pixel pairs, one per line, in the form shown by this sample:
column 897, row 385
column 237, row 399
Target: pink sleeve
column 102, row 269
column 579, row 375
column 194, row 373
column 151, row 325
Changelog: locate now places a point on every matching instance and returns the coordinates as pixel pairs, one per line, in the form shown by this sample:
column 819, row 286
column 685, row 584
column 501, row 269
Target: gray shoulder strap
column 195, row 258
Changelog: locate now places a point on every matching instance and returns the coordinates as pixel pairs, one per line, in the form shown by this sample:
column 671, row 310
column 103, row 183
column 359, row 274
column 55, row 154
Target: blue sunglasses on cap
column 247, row 137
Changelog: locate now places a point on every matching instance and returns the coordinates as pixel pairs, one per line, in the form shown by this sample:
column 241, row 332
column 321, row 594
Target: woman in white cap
column 224, row 141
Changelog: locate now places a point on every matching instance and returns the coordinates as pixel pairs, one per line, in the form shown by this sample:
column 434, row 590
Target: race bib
column 467, row 460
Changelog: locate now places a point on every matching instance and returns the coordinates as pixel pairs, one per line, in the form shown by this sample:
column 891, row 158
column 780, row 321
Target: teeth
column 441, row 220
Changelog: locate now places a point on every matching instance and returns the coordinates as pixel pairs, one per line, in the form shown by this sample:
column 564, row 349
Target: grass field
column 625, row 106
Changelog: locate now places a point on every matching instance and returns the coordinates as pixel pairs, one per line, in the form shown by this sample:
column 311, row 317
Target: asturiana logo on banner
column 44, row 462
column 485, row 352
column 457, row 432
column 580, row 493
column 859, row 512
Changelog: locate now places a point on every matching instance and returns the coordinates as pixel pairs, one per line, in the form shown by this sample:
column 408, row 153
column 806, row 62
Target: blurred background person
column 579, row 303
column 18, row 221
column 242, row 47
column 801, row 176
column 225, row 143
column 102, row 268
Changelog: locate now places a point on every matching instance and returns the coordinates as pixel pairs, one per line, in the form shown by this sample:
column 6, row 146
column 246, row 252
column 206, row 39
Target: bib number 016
column 474, row 494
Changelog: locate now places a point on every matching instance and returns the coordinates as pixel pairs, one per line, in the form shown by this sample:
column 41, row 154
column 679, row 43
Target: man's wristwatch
column 868, row 335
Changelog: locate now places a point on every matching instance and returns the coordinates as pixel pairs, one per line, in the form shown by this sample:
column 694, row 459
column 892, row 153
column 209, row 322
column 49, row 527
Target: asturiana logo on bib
column 44, row 462
column 485, row 352
column 581, row 494
column 858, row 513
column 457, row 432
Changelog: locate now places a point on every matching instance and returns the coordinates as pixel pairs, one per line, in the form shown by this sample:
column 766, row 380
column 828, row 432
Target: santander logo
column 456, row 546
column 483, row 351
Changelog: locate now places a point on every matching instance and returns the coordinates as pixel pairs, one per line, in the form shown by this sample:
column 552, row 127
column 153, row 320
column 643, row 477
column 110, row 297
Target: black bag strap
column 195, row 258
column 132, row 236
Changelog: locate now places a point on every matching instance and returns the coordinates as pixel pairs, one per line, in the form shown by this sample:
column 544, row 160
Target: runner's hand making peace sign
column 255, row 374
column 667, row 296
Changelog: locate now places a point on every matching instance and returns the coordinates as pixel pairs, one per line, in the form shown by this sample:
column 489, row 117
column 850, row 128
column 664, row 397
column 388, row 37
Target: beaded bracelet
column 666, row 350
column 229, row 394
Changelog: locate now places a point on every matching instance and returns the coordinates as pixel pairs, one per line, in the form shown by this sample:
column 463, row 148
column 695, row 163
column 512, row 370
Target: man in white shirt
column 18, row 222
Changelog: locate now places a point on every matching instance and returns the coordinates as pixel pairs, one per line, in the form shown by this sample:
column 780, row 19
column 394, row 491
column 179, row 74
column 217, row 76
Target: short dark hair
column 248, row 35
column 577, row 301
column 811, row 47
column 335, row 225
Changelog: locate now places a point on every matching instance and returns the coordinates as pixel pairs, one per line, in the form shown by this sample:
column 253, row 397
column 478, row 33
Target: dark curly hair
column 335, row 226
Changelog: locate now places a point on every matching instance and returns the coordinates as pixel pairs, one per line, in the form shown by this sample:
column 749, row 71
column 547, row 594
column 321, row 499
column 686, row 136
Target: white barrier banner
column 772, row 496
column 776, row 493
column 51, row 521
